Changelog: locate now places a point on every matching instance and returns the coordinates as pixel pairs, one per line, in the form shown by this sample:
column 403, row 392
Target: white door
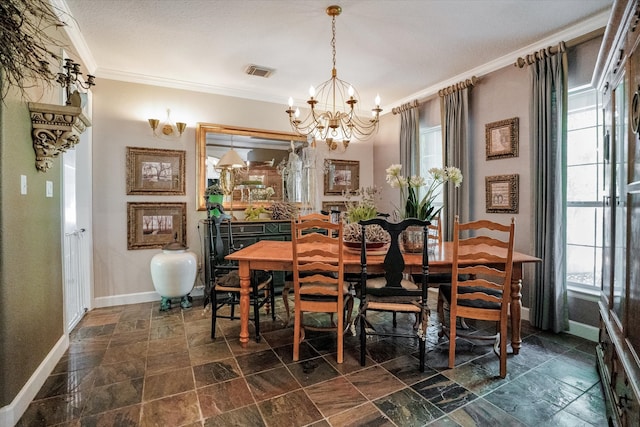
column 77, row 245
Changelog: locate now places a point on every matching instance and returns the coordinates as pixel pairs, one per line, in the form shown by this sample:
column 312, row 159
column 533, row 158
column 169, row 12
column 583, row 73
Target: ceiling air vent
column 257, row 70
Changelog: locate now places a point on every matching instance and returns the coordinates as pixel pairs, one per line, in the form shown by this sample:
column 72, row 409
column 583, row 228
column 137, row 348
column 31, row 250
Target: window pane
column 582, row 183
column 580, row 119
column 582, row 111
column 430, row 155
column 581, row 264
column 582, row 146
column 581, row 226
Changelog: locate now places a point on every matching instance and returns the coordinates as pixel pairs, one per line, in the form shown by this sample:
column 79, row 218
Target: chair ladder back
column 318, row 274
column 309, row 243
column 394, row 263
column 216, row 242
column 435, row 230
column 393, row 293
column 487, row 260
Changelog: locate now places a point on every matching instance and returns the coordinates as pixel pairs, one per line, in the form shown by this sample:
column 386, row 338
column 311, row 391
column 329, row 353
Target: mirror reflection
column 257, row 177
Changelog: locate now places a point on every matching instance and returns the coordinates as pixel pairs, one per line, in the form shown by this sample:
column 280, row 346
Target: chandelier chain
column 333, row 115
column 333, row 40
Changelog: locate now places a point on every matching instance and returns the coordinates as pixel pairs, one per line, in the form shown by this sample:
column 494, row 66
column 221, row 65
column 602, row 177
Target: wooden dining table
column 274, row 255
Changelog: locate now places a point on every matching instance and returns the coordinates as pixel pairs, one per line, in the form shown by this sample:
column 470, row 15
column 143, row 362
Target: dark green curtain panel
column 548, row 136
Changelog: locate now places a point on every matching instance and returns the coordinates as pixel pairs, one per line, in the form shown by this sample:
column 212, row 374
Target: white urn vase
column 173, row 272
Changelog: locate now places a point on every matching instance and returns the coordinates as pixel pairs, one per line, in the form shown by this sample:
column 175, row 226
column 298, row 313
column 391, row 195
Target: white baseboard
column 126, row 299
column 581, row 330
column 10, row 414
column 137, row 298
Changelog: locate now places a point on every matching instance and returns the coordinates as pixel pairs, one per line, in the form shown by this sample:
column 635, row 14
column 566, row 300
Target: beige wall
column 120, row 114
column 31, row 305
column 502, row 95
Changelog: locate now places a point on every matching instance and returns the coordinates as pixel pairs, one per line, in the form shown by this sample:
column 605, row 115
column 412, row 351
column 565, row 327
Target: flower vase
column 173, row 273
column 412, row 239
column 215, row 198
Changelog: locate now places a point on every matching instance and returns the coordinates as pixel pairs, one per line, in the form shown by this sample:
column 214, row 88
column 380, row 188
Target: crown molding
column 146, row 79
column 572, row 33
column 75, row 35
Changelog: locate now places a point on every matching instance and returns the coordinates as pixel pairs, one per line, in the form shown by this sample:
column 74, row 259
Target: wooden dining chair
column 485, row 254
column 318, row 276
column 394, row 292
column 224, row 289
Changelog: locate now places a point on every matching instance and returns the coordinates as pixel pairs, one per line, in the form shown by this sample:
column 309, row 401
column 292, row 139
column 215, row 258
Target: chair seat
column 445, row 290
column 393, row 306
column 381, row 282
column 230, row 282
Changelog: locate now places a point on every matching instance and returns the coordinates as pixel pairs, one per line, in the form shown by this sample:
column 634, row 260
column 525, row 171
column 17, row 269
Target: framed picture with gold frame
column 502, row 139
column 153, row 225
column 502, row 193
column 155, row 171
column 341, row 175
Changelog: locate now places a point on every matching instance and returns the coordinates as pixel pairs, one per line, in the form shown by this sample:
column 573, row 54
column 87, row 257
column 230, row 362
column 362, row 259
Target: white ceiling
column 400, row 49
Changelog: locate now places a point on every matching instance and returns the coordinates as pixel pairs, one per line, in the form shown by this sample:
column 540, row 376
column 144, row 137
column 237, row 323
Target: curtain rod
column 407, row 106
column 552, row 50
column 540, row 54
column 458, row 86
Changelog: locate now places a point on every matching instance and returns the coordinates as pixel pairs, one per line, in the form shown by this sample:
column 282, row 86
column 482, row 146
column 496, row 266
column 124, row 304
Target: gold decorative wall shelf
column 55, row 129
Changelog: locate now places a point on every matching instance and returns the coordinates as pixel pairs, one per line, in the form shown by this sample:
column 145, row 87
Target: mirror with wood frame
column 262, row 151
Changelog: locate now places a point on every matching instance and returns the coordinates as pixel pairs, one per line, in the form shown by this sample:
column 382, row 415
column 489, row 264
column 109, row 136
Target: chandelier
column 336, row 117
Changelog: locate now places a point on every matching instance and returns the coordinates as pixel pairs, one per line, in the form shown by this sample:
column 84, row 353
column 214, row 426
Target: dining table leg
column 516, row 307
column 245, row 290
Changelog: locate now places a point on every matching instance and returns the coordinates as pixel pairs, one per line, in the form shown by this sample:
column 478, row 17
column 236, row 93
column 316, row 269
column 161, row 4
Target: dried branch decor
column 27, row 44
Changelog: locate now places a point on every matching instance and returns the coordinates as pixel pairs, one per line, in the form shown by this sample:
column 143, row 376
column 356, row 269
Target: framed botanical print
column 502, row 139
column 153, row 225
column 155, row 171
column 502, row 193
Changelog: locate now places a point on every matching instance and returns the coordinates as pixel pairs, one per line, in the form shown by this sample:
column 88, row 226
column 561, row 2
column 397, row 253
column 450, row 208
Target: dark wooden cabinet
column 245, row 233
column 618, row 351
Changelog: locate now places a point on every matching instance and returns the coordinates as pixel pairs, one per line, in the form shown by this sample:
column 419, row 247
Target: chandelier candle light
column 333, row 125
column 71, row 76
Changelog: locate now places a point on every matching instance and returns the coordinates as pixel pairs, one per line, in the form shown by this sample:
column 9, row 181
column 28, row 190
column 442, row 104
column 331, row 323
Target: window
column 430, row 152
column 584, row 190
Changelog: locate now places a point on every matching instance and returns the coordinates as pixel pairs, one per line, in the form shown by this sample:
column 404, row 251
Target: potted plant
column 254, row 213
column 412, row 206
column 214, row 194
column 362, row 209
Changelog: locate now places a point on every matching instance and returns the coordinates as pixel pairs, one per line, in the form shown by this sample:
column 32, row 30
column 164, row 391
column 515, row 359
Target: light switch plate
column 49, row 188
column 23, row 184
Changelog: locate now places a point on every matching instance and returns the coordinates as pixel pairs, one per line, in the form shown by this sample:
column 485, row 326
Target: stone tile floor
column 136, row 366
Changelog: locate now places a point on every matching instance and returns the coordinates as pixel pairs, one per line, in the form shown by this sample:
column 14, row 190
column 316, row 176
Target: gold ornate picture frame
column 502, row 193
column 153, row 225
column 341, row 175
column 502, row 139
column 155, row 171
